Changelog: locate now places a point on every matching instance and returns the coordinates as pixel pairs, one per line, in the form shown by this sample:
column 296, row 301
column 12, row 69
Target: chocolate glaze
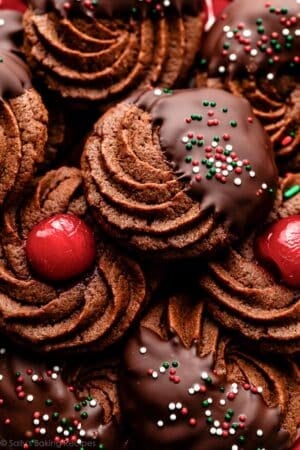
column 231, row 47
column 14, row 75
column 117, row 8
column 240, row 204
column 151, row 398
column 11, row 29
column 47, row 381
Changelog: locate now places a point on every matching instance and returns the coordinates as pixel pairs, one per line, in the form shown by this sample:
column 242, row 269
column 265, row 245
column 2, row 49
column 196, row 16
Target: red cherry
column 279, row 245
column 60, row 247
column 297, row 445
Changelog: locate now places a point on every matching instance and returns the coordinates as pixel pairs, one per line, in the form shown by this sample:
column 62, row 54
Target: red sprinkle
column 193, row 422
column 286, row 141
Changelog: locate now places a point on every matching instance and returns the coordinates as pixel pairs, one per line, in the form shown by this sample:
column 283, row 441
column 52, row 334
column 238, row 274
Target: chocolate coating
column 10, row 29
column 116, row 8
column 38, row 407
column 214, row 143
column 168, row 413
column 14, row 75
column 174, row 413
column 254, row 37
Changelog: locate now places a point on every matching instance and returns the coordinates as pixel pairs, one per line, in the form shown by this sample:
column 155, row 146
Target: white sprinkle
column 178, row 405
column 240, row 163
column 221, row 69
column 253, row 52
column 172, row 406
column 56, row 369
column 230, row 34
column 285, row 32
column 297, row 32
column 157, row 92
column 173, row 417
column 185, row 139
column 217, row 423
column 225, row 173
column 214, row 144
column 259, row 389
column 93, row 403
column 234, row 447
column 210, row 401
column 154, row 374
column 196, row 169
column 208, row 413
column 1, row 377
column 2, row 22
column 45, row 417
column 59, row 430
column 162, row 369
column 252, row 173
column 204, row 375
column 54, row 376
column 230, row 168
column 213, row 430
column 247, row 33
column 29, row 398
column 143, row 350
column 66, row 433
column 226, row 28
column 234, row 386
column 78, row 441
column 2, row 350
column 270, row 76
column 82, row 433
column 219, row 432
column 232, row 431
column 229, row 159
column 79, row 426
column 218, row 170
column 218, row 164
column 160, row 423
column 222, row 402
column 237, row 181
column 191, row 391
column 264, row 186
column 259, row 433
column 35, row 377
column 232, row 57
column 36, row 422
column 42, row 430
column 167, row 3
column 228, row 147
column 197, row 387
column 211, row 159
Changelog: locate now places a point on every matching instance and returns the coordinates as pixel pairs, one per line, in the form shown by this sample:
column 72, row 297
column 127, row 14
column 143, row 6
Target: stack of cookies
column 150, row 226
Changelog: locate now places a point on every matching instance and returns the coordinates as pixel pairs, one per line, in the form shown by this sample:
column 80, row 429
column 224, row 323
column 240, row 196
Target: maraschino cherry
column 297, row 445
column 60, row 247
column 279, row 246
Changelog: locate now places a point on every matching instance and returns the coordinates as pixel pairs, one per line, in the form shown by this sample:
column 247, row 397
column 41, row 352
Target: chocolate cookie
column 100, row 51
column 185, row 384
column 23, row 117
column 63, row 287
column 176, row 174
column 253, row 50
column 254, row 287
column 51, row 404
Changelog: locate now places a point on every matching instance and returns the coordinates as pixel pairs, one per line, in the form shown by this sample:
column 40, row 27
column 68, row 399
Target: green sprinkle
column 230, row 411
column 194, row 141
column 226, row 45
column 209, row 176
column 200, row 143
column 77, row 407
column 216, row 138
column 272, row 9
column 225, row 110
column 55, row 415
column 227, row 417
column 261, row 29
column 48, row 402
column 84, row 415
column 101, row 447
column 259, row 21
column 84, row 403
column 189, row 146
column 205, row 103
column 233, row 123
column 248, row 167
column 292, row 191
column 188, row 159
column 242, row 438
column 18, row 374
column 222, row 389
column 284, row 10
column 205, row 403
column 165, row 364
column 175, row 363
column 213, row 104
column 204, row 161
column 209, row 420
column 64, row 421
column 203, row 62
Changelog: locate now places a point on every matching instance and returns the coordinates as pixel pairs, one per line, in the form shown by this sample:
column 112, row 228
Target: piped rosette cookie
column 176, row 174
column 23, row 117
column 186, row 384
column 99, row 51
column 254, row 287
column 49, row 403
column 253, row 50
column 63, row 286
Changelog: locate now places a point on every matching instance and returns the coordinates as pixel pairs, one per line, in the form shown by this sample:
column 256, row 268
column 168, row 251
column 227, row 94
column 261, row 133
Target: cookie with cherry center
column 253, row 50
column 64, row 286
column 254, row 287
column 186, row 383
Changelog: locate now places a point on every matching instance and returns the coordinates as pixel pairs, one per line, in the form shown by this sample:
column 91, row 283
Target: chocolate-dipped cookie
column 100, row 51
column 176, row 174
column 254, row 287
column 186, row 384
column 253, row 50
column 49, row 403
column 63, row 286
column 23, row 117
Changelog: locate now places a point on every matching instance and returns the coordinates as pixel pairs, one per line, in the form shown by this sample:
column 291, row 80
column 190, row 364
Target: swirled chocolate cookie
column 253, row 50
column 187, row 385
column 176, row 174
column 63, row 287
column 100, row 51
column 23, row 118
column 50, row 404
column 255, row 287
